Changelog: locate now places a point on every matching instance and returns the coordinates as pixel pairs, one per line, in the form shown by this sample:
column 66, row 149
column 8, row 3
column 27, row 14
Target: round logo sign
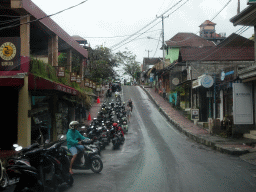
column 207, row 81
column 175, row 81
column 7, row 51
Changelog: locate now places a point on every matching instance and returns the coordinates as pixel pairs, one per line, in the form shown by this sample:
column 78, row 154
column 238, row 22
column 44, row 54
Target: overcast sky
column 96, row 19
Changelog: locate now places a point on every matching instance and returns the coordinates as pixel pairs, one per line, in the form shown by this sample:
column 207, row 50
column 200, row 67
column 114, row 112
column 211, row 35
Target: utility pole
column 163, row 38
column 148, row 52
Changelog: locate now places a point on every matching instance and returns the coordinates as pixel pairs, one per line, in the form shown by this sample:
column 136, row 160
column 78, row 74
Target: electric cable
column 118, row 36
column 151, row 27
column 157, row 45
column 117, row 44
column 206, row 24
column 47, row 16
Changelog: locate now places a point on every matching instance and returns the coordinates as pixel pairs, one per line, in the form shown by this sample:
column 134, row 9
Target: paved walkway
column 225, row 145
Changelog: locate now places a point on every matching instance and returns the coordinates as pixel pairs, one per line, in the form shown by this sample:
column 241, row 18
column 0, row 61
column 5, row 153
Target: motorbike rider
column 73, row 144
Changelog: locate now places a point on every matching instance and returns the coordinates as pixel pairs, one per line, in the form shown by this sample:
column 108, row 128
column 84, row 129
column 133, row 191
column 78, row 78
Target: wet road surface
column 156, row 157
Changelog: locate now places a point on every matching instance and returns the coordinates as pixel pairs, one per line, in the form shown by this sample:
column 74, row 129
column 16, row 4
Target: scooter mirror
column 15, row 145
column 18, row 148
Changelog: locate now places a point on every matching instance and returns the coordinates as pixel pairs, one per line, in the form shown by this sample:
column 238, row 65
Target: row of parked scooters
column 45, row 167
column 110, row 125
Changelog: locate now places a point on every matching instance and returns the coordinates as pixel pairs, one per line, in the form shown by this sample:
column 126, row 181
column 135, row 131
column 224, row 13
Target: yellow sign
column 7, row 51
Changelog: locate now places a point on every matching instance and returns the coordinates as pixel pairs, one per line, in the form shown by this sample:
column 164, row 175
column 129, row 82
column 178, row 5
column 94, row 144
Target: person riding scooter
column 73, row 144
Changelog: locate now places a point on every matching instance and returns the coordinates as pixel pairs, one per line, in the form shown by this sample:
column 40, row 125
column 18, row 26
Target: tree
column 101, row 63
column 128, row 59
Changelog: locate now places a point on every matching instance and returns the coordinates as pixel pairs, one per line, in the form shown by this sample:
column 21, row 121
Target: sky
column 102, row 22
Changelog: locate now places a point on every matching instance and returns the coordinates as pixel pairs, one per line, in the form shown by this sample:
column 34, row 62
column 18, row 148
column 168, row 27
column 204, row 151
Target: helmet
column 115, row 124
column 72, row 124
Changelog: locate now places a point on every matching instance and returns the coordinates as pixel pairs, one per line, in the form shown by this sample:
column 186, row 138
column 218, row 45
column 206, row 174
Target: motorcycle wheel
column 4, row 181
column 96, row 165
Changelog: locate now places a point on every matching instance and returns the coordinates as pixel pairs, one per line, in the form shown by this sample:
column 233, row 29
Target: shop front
column 53, row 106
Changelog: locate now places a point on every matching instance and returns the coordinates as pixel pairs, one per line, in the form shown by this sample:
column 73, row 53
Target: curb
column 197, row 138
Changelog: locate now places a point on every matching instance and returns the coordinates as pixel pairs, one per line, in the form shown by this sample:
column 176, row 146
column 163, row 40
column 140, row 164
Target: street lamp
column 162, row 47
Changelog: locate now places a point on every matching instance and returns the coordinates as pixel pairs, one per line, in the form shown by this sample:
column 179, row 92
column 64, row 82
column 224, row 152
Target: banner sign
column 78, row 78
column 61, row 72
column 242, row 103
column 73, row 77
column 86, row 82
column 194, row 114
column 93, row 85
column 9, row 54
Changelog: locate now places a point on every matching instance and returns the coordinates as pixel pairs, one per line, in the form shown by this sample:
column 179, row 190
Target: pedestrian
column 130, row 104
column 128, row 112
column 164, row 93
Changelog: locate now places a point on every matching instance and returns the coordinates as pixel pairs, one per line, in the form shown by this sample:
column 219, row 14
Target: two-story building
column 32, row 90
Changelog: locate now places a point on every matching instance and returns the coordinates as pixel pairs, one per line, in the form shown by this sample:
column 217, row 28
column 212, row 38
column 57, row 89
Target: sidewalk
column 225, row 145
column 95, row 108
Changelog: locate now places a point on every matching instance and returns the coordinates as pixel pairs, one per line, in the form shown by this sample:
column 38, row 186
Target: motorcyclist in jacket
column 73, row 144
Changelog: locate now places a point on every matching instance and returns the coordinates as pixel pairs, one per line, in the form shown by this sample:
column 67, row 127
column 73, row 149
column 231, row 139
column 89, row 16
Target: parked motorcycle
column 4, row 180
column 49, row 166
column 89, row 157
column 27, row 176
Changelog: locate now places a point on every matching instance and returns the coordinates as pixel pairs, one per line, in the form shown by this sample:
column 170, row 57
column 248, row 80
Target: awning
column 12, row 82
column 39, row 83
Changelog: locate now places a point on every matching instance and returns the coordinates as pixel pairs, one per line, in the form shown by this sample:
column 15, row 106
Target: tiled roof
column 207, row 22
column 235, row 40
column 233, row 48
column 150, row 61
column 188, row 40
column 217, row 54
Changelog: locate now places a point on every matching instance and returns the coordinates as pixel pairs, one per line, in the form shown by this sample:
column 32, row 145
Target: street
column 156, row 157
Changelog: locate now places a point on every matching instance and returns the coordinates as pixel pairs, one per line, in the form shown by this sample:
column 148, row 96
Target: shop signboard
column 242, row 103
column 61, row 72
column 175, row 81
column 86, row 82
column 206, row 81
column 194, row 114
column 196, row 83
column 73, row 77
column 9, row 53
column 97, row 87
column 78, row 78
column 90, row 85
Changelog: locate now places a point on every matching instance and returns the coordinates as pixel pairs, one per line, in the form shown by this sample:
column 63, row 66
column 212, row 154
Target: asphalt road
column 156, row 157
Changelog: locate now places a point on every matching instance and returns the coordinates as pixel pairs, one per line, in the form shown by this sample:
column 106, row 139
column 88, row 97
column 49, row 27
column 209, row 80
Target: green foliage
column 62, row 59
column 128, row 59
column 101, row 64
column 179, row 89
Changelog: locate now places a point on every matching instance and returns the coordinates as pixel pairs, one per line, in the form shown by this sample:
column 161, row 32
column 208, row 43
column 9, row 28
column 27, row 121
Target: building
column 30, row 88
column 247, row 17
column 208, row 32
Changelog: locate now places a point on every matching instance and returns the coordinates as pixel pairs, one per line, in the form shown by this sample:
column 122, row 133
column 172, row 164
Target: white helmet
column 72, row 124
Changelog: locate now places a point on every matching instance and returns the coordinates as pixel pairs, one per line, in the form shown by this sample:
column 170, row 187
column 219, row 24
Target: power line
column 207, row 23
column 117, row 44
column 47, row 16
column 151, row 27
column 119, row 36
column 157, row 45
